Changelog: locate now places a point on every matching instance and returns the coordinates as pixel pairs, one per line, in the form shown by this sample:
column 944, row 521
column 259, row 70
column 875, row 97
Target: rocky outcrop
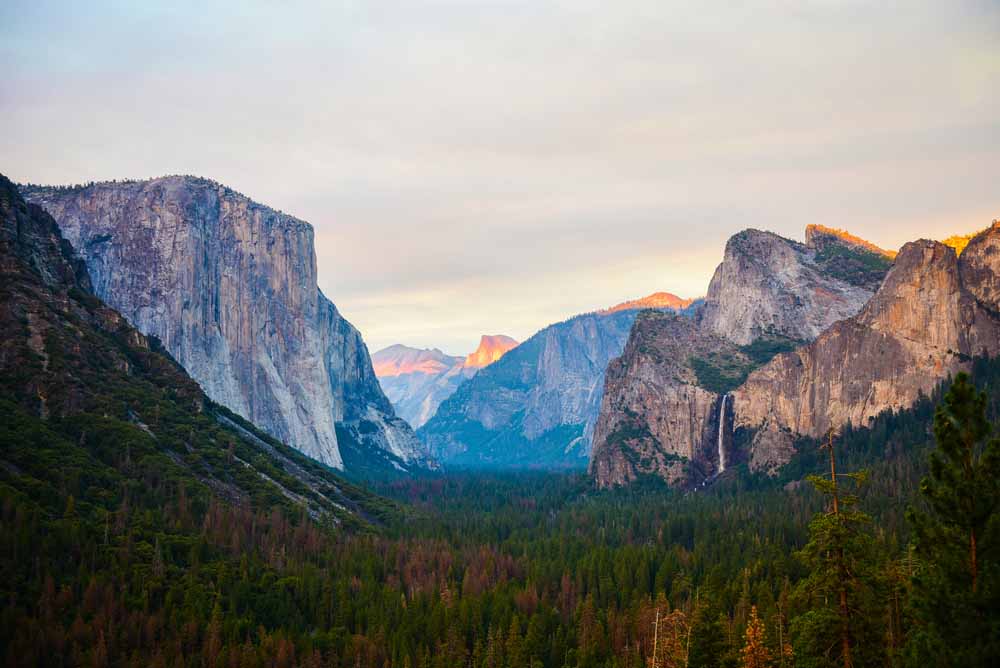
column 229, row 287
column 666, row 410
column 656, row 417
column 491, row 348
column 770, row 286
column 134, row 414
column 933, row 312
column 418, row 380
column 537, row 405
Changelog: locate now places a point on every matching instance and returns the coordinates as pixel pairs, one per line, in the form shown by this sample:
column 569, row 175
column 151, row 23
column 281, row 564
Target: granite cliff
column 656, row 418
column 229, row 287
column 934, row 311
column 667, row 396
column 770, row 286
column 536, row 407
column 89, row 403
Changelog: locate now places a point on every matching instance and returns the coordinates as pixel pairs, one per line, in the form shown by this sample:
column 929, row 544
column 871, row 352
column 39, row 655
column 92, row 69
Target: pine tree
column 708, row 640
column 843, row 622
column 755, row 653
column 957, row 539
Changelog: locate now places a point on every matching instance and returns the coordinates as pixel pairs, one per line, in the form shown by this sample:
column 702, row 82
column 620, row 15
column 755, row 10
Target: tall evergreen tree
column 842, row 624
column 956, row 587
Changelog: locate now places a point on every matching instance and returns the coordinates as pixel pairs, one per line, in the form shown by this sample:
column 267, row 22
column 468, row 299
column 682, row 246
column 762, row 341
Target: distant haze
column 494, row 167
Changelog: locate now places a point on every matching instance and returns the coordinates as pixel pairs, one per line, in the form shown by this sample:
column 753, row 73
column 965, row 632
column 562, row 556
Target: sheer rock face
column 978, row 266
column 655, row 419
column 536, row 406
column 769, row 285
column 933, row 311
column 229, row 287
column 491, row 348
column 659, row 417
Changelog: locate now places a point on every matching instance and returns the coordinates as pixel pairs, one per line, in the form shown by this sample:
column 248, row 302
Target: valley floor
column 481, row 570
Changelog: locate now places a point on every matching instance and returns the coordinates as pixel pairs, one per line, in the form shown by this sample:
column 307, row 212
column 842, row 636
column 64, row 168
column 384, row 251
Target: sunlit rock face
column 771, row 286
column 656, row 418
column 229, row 287
column 418, row 380
column 657, row 300
column 491, row 348
column 400, row 360
column 934, row 311
column 666, row 409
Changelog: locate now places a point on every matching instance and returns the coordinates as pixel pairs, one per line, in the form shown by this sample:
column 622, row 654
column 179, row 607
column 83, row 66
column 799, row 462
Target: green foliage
column 958, row 538
column 853, row 264
column 762, row 349
column 142, row 525
column 840, row 597
column 722, row 373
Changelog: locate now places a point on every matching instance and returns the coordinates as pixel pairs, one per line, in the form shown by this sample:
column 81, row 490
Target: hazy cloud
column 491, row 167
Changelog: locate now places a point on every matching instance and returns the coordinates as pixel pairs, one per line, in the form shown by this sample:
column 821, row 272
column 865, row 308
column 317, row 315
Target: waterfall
column 722, row 426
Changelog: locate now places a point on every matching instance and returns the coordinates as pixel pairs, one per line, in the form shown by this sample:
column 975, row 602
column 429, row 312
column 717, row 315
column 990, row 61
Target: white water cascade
column 722, row 426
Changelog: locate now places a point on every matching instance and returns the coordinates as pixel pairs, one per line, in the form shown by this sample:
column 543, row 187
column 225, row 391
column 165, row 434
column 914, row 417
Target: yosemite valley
column 203, row 465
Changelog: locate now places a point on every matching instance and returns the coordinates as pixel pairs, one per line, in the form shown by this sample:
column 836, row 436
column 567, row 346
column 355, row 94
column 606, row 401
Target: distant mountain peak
column 399, row 360
column 491, row 348
column 655, row 300
column 417, row 380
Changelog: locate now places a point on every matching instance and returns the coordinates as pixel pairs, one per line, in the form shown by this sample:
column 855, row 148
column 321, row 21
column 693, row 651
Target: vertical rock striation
column 666, row 408
column 229, row 287
column 537, row 405
column 934, row 311
column 656, row 417
column 767, row 285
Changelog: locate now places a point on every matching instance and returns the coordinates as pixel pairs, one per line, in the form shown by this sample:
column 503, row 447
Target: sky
column 494, row 167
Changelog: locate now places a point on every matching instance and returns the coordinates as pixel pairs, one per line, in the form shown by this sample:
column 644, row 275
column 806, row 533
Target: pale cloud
column 491, row 167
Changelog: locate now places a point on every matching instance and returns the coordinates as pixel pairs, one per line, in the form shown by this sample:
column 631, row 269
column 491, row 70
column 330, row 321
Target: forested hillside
column 143, row 525
column 530, row 570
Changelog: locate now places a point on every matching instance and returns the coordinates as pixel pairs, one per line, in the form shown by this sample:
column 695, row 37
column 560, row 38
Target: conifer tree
column 957, row 539
column 708, row 640
column 843, row 622
column 755, row 653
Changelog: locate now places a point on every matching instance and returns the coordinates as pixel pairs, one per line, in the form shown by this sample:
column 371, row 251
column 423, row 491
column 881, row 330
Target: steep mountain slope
column 229, row 287
column 655, row 417
column 934, row 311
column 418, row 380
column 92, row 408
column 536, row 406
column 664, row 399
column 771, row 286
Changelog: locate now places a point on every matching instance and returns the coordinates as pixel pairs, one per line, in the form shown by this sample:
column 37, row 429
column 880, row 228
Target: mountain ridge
column 537, row 406
column 229, row 286
column 934, row 312
column 417, row 380
column 664, row 410
column 113, row 399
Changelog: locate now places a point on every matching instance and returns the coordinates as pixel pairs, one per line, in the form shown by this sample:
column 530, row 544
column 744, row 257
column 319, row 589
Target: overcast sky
column 492, row 167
